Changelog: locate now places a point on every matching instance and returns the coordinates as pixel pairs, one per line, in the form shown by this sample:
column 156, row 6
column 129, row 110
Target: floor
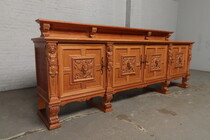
column 137, row 114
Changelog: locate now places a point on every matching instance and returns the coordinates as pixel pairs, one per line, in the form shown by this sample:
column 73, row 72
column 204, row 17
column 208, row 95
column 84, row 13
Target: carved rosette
column 128, row 65
column 155, row 62
column 83, row 69
column 45, row 28
column 109, row 56
column 52, row 59
column 179, row 60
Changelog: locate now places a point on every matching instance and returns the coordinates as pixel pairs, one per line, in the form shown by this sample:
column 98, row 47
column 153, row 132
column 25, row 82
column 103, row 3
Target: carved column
column 187, row 77
column 165, row 84
column 52, row 59
column 52, row 109
column 109, row 91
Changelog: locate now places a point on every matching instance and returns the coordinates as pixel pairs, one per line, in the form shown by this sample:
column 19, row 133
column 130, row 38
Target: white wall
column 194, row 25
column 17, row 27
column 154, row 14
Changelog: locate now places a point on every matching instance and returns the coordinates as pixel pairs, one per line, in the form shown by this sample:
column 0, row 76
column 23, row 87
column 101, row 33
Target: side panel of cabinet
column 179, row 60
column 156, row 60
column 80, row 68
column 126, row 64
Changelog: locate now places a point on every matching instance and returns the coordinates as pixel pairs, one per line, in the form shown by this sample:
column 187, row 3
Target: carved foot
column 184, row 83
column 50, row 116
column 164, row 89
column 106, row 103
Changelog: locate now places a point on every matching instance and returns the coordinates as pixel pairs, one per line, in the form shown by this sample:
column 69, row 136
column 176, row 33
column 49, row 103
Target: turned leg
column 164, row 88
column 106, row 103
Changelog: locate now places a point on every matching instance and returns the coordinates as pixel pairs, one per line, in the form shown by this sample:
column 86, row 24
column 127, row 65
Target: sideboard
column 77, row 62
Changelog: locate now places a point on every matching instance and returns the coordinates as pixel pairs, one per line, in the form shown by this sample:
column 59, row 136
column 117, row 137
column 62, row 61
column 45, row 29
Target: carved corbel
column 148, row 35
column 169, row 35
column 45, row 28
column 93, row 32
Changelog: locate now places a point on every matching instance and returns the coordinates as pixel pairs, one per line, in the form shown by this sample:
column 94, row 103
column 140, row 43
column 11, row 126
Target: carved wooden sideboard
column 77, row 62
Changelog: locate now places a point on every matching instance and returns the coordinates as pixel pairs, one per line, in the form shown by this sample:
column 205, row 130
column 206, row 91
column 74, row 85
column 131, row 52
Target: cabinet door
column 126, row 64
column 80, row 68
column 179, row 60
column 156, row 59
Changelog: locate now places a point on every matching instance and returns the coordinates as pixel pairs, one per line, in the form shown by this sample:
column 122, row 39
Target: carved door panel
column 155, row 64
column 178, row 64
column 80, row 68
column 126, row 64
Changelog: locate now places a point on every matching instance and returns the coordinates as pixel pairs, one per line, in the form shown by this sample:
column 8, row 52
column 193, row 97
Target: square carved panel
column 155, row 62
column 128, row 65
column 83, row 68
column 179, row 60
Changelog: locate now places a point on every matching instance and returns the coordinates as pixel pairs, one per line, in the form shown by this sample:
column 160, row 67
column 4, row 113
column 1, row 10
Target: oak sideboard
column 77, row 62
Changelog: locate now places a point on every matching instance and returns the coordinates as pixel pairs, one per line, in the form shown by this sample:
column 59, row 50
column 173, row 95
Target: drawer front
column 80, row 68
column 156, row 59
column 127, row 68
column 178, row 64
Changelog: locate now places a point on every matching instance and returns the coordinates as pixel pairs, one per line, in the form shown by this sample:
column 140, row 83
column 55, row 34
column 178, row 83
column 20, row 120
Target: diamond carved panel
column 128, row 65
column 83, row 68
column 179, row 60
column 155, row 62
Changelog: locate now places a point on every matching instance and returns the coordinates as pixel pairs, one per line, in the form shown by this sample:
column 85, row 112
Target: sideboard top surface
column 61, row 31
